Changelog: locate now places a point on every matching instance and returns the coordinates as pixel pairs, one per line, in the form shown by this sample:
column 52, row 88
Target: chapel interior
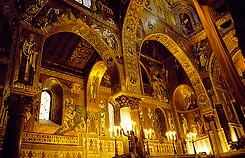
column 77, row 76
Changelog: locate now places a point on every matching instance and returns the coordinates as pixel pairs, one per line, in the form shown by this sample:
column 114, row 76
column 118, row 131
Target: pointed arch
column 192, row 73
column 90, row 35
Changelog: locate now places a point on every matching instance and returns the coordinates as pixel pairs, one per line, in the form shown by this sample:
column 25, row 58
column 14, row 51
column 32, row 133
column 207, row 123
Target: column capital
column 17, row 104
column 128, row 101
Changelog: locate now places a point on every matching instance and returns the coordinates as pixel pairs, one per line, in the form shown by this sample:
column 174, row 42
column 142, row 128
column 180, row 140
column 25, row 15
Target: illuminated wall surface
column 111, row 115
column 126, row 123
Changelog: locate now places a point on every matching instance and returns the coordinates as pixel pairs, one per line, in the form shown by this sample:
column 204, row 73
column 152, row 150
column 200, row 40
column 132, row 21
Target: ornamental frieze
column 61, row 76
column 49, row 139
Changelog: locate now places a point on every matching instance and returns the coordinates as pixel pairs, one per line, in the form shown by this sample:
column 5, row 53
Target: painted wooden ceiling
column 69, row 52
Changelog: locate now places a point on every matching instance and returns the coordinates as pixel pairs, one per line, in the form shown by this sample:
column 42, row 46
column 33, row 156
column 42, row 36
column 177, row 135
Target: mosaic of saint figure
column 186, row 25
column 102, row 117
column 189, row 100
column 28, row 57
column 93, row 86
column 110, row 39
column 158, row 84
column 142, row 117
column 171, row 122
column 202, row 59
column 184, row 124
column 151, row 123
column 199, row 124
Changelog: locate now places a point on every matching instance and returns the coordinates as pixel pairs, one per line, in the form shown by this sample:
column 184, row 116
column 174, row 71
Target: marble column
column 221, row 53
column 217, row 148
column 223, row 120
column 17, row 107
column 139, row 131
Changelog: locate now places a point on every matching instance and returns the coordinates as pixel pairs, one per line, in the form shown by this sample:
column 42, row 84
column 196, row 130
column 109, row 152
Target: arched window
column 86, row 3
column 45, row 105
column 111, row 114
column 161, row 122
column 51, row 103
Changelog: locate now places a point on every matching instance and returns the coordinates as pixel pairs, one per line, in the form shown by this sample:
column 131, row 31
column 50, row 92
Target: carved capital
column 17, row 104
column 127, row 101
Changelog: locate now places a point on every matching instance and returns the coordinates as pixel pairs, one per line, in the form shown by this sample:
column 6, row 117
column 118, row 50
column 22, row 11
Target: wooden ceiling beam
column 70, row 47
column 52, row 45
column 61, row 45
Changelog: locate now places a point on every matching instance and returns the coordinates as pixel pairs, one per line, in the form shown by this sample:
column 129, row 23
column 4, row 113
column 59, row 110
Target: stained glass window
column 45, row 106
column 86, row 3
column 111, row 114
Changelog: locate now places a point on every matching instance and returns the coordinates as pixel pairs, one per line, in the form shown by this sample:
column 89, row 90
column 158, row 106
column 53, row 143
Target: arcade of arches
column 79, row 75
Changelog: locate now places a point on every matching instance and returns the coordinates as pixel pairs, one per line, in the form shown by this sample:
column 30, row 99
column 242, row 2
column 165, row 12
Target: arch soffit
column 143, row 66
column 97, row 70
column 48, row 83
column 188, row 67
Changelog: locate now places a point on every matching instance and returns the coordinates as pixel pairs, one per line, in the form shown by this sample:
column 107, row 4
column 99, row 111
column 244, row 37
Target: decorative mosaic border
column 46, row 138
column 61, row 75
column 130, row 56
column 49, row 139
